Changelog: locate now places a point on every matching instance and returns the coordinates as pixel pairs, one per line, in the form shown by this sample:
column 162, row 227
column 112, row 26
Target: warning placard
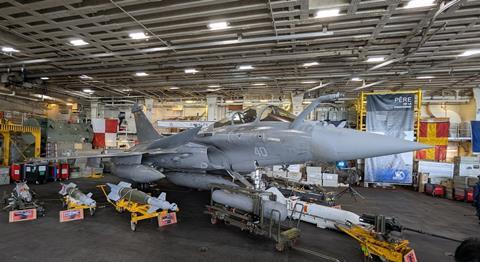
column 22, row 215
column 71, row 215
column 167, row 219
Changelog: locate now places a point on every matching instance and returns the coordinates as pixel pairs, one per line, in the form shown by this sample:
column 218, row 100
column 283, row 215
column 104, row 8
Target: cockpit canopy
column 249, row 115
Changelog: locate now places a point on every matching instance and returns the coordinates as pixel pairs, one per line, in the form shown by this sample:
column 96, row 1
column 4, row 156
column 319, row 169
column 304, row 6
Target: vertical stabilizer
column 145, row 130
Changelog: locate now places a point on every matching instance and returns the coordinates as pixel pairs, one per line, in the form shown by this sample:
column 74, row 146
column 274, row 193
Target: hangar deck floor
column 107, row 235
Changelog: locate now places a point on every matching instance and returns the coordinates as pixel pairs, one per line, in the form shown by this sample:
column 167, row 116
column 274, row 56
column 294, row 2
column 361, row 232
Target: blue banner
column 476, row 136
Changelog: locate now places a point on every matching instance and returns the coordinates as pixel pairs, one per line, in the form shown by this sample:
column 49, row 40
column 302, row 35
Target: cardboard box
column 329, row 180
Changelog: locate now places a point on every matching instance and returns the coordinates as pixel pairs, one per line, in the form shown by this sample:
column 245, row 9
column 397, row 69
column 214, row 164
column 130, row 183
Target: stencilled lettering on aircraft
column 261, row 151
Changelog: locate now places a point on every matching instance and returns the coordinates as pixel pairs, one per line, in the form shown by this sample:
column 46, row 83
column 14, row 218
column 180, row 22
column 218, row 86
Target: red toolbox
column 16, row 173
column 434, row 190
column 64, row 172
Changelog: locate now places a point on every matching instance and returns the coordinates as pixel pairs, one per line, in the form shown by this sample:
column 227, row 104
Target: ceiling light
column 218, row 25
column 141, row 74
column 258, row 84
column 8, row 49
column 470, row 52
column 88, row 90
column 213, row 89
column 245, row 67
column 44, row 77
column 228, row 101
column 375, row 59
column 69, row 104
column 138, row 35
column 310, row 64
column 190, row 71
column 327, row 13
column 78, row 42
column 419, row 3
column 126, row 90
column 85, row 77
column 174, row 88
column 189, row 101
column 356, row 79
column 263, row 100
column 308, row 82
column 425, row 77
column 213, row 86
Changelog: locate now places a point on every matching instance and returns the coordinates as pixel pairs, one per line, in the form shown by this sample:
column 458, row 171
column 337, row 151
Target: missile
column 138, row 172
column 246, row 203
column 125, row 191
column 322, row 216
column 200, row 181
column 71, row 190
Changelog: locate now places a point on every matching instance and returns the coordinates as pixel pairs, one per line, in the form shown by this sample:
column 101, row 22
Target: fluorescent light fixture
column 258, row 84
column 141, row 74
column 174, row 88
column 8, row 49
column 245, row 67
column 425, row 77
column 213, row 86
column 213, row 89
column 308, row 82
column 310, row 64
column 375, row 59
column 229, row 101
column 190, row 71
column 85, row 77
column 218, row 25
column 189, row 101
column 419, row 3
column 78, row 42
column 327, row 13
column 44, row 77
column 88, row 90
column 69, row 104
column 138, row 35
column 126, row 90
column 470, row 52
column 263, row 100
column 356, row 79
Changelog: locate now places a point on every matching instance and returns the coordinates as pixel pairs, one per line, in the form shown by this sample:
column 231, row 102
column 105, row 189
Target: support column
column 476, row 95
column 149, row 108
column 214, row 112
column 96, row 110
column 297, row 105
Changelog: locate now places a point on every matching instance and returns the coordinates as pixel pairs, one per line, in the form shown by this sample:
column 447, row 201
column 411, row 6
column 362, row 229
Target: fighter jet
column 257, row 137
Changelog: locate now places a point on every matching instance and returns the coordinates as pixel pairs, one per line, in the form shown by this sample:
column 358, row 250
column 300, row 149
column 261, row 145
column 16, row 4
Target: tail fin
column 145, row 130
column 301, row 117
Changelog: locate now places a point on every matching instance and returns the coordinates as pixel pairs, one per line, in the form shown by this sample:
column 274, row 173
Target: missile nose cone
column 335, row 144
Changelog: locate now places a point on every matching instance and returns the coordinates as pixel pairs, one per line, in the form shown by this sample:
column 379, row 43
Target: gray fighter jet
column 257, row 137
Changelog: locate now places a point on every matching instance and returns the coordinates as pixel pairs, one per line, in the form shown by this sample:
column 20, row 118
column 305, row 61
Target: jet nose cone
column 335, row 144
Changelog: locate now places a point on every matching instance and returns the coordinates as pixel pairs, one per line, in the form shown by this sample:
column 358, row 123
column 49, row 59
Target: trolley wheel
column 280, row 247
column 133, row 226
column 214, row 220
column 92, row 211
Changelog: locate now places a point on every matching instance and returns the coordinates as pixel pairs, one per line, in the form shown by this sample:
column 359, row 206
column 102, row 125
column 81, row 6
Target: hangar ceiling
column 271, row 47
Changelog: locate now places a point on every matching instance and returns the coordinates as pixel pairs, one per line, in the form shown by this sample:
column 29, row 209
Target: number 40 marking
column 261, row 151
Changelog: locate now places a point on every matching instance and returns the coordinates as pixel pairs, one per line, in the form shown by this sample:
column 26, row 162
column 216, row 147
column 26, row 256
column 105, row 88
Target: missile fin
column 124, row 184
column 162, row 196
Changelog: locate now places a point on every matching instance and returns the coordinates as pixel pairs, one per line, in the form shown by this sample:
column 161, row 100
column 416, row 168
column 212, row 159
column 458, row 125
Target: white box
column 314, row 169
column 329, row 180
column 435, row 169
